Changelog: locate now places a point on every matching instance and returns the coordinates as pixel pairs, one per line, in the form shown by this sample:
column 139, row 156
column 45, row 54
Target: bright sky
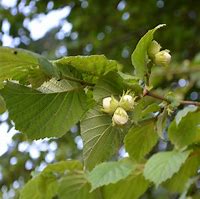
column 39, row 26
column 8, row 3
column 43, row 23
column 6, row 138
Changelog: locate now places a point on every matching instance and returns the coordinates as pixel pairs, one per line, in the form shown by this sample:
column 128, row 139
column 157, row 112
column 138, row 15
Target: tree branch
column 156, row 96
column 178, row 71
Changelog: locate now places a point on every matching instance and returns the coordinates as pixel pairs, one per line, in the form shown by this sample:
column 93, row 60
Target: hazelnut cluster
column 118, row 109
column 159, row 57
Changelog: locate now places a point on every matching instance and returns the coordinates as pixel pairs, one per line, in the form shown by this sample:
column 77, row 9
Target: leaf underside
column 42, row 115
column 100, row 138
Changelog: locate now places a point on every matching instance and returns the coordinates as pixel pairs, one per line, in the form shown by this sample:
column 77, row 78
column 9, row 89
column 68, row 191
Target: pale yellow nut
column 162, row 58
column 110, row 104
column 120, row 117
column 127, row 102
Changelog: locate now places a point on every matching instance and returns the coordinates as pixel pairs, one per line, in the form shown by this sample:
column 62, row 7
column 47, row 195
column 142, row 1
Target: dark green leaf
column 110, row 84
column 114, row 84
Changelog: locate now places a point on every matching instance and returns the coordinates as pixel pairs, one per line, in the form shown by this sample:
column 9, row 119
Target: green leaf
column 110, row 172
column 25, row 66
column 40, row 187
column 114, row 84
column 42, row 115
column 164, row 165
column 75, row 186
column 100, row 138
column 110, row 84
column 44, row 185
column 184, row 112
column 139, row 57
column 62, row 166
column 130, row 188
column 187, row 131
column 132, row 82
column 2, row 105
column 127, row 77
column 140, row 140
column 179, row 181
column 144, row 108
column 93, row 64
column 151, row 108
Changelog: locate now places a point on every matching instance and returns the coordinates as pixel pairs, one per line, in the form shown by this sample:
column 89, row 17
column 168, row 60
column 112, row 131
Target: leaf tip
column 160, row 26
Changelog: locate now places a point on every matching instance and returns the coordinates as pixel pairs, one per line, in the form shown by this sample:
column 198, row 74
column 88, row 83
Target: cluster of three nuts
column 118, row 108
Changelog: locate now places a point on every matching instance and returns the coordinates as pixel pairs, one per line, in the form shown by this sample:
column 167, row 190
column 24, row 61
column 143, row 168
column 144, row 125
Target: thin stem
column 154, row 95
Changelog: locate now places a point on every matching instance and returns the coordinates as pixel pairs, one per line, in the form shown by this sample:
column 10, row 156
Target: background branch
column 156, row 96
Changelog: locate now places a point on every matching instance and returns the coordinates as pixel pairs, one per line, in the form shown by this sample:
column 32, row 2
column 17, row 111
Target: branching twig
column 177, row 71
column 154, row 95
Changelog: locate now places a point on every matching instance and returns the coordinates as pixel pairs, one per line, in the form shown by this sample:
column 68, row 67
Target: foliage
column 69, row 91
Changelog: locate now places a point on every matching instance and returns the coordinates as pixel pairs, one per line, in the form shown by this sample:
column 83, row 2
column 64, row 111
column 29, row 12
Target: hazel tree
column 113, row 109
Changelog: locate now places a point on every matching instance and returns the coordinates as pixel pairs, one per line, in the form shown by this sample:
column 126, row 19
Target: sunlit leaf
column 182, row 113
column 93, row 64
column 164, row 165
column 110, row 172
column 25, row 66
column 190, row 168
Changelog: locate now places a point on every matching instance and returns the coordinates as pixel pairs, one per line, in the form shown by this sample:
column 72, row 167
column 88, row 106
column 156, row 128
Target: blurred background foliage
column 84, row 27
